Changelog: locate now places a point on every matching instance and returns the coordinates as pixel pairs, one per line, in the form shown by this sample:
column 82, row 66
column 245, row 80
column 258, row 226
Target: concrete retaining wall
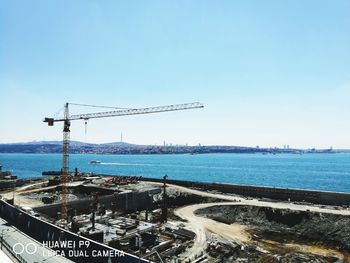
column 125, row 202
column 43, row 231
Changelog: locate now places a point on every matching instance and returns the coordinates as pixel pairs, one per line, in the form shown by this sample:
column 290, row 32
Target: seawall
column 284, row 194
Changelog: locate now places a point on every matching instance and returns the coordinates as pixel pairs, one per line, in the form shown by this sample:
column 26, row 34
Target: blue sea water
column 330, row 172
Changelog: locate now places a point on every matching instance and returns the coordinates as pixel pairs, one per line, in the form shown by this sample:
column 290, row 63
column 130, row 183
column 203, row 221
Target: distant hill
column 56, row 147
column 119, row 144
column 47, row 142
column 127, row 148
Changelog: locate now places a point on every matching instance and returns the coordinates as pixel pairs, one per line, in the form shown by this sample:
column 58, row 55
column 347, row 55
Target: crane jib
column 149, row 110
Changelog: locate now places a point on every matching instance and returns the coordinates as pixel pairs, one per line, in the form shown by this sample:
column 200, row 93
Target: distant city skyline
column 270, row 73
column 167, row 144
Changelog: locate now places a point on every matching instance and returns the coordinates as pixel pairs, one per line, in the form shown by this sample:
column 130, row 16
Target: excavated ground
column 282, row 231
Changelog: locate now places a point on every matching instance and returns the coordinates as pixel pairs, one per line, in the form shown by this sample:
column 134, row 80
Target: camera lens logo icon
column 29, row 248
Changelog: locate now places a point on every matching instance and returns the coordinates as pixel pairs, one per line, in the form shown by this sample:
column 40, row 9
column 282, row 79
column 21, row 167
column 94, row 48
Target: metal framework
column 65, row 168
column 122, row 112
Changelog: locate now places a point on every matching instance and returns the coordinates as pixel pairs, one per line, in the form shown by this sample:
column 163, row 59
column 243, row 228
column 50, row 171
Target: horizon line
column 184, row 145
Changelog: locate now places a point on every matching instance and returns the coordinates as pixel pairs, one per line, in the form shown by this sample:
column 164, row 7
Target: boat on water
column 95, row 162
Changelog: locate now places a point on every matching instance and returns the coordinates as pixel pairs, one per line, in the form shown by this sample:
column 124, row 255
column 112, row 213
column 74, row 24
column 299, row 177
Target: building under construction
column 147, row 220
column 119, row 212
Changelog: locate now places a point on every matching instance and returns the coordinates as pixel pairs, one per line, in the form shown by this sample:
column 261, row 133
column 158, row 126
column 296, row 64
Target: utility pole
column 165, row 205
column 93, row 209
column 139, row 244
column 13, row 192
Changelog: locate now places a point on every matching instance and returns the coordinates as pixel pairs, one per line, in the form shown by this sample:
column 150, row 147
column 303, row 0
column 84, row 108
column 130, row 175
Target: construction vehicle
column 67, row 118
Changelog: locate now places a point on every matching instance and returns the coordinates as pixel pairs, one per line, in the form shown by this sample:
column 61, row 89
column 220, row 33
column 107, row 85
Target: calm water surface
column 329, row 172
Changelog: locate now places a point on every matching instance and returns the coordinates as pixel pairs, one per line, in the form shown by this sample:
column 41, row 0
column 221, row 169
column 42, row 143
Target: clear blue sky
column 270, row 73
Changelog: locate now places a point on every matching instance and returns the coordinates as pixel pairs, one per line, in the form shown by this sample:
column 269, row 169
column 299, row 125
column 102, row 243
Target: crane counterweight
column 50, row 121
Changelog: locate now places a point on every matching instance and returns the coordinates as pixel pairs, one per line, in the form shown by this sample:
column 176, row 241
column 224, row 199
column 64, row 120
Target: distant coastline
column 127, row 148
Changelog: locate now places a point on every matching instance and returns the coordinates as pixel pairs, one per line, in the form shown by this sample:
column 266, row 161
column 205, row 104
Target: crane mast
column 66, row 135
column 65, row 168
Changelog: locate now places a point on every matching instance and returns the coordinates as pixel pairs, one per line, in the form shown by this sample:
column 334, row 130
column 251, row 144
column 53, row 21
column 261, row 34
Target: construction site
column 136, row 219
column 162, row 222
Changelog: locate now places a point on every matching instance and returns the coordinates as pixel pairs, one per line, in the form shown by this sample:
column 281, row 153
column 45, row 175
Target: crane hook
column 86, row 121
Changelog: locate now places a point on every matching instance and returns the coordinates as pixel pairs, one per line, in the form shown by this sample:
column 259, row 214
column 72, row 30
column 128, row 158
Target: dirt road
column 256, row 202
column 236, row 232
column 199, row 225
column 23, row 200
